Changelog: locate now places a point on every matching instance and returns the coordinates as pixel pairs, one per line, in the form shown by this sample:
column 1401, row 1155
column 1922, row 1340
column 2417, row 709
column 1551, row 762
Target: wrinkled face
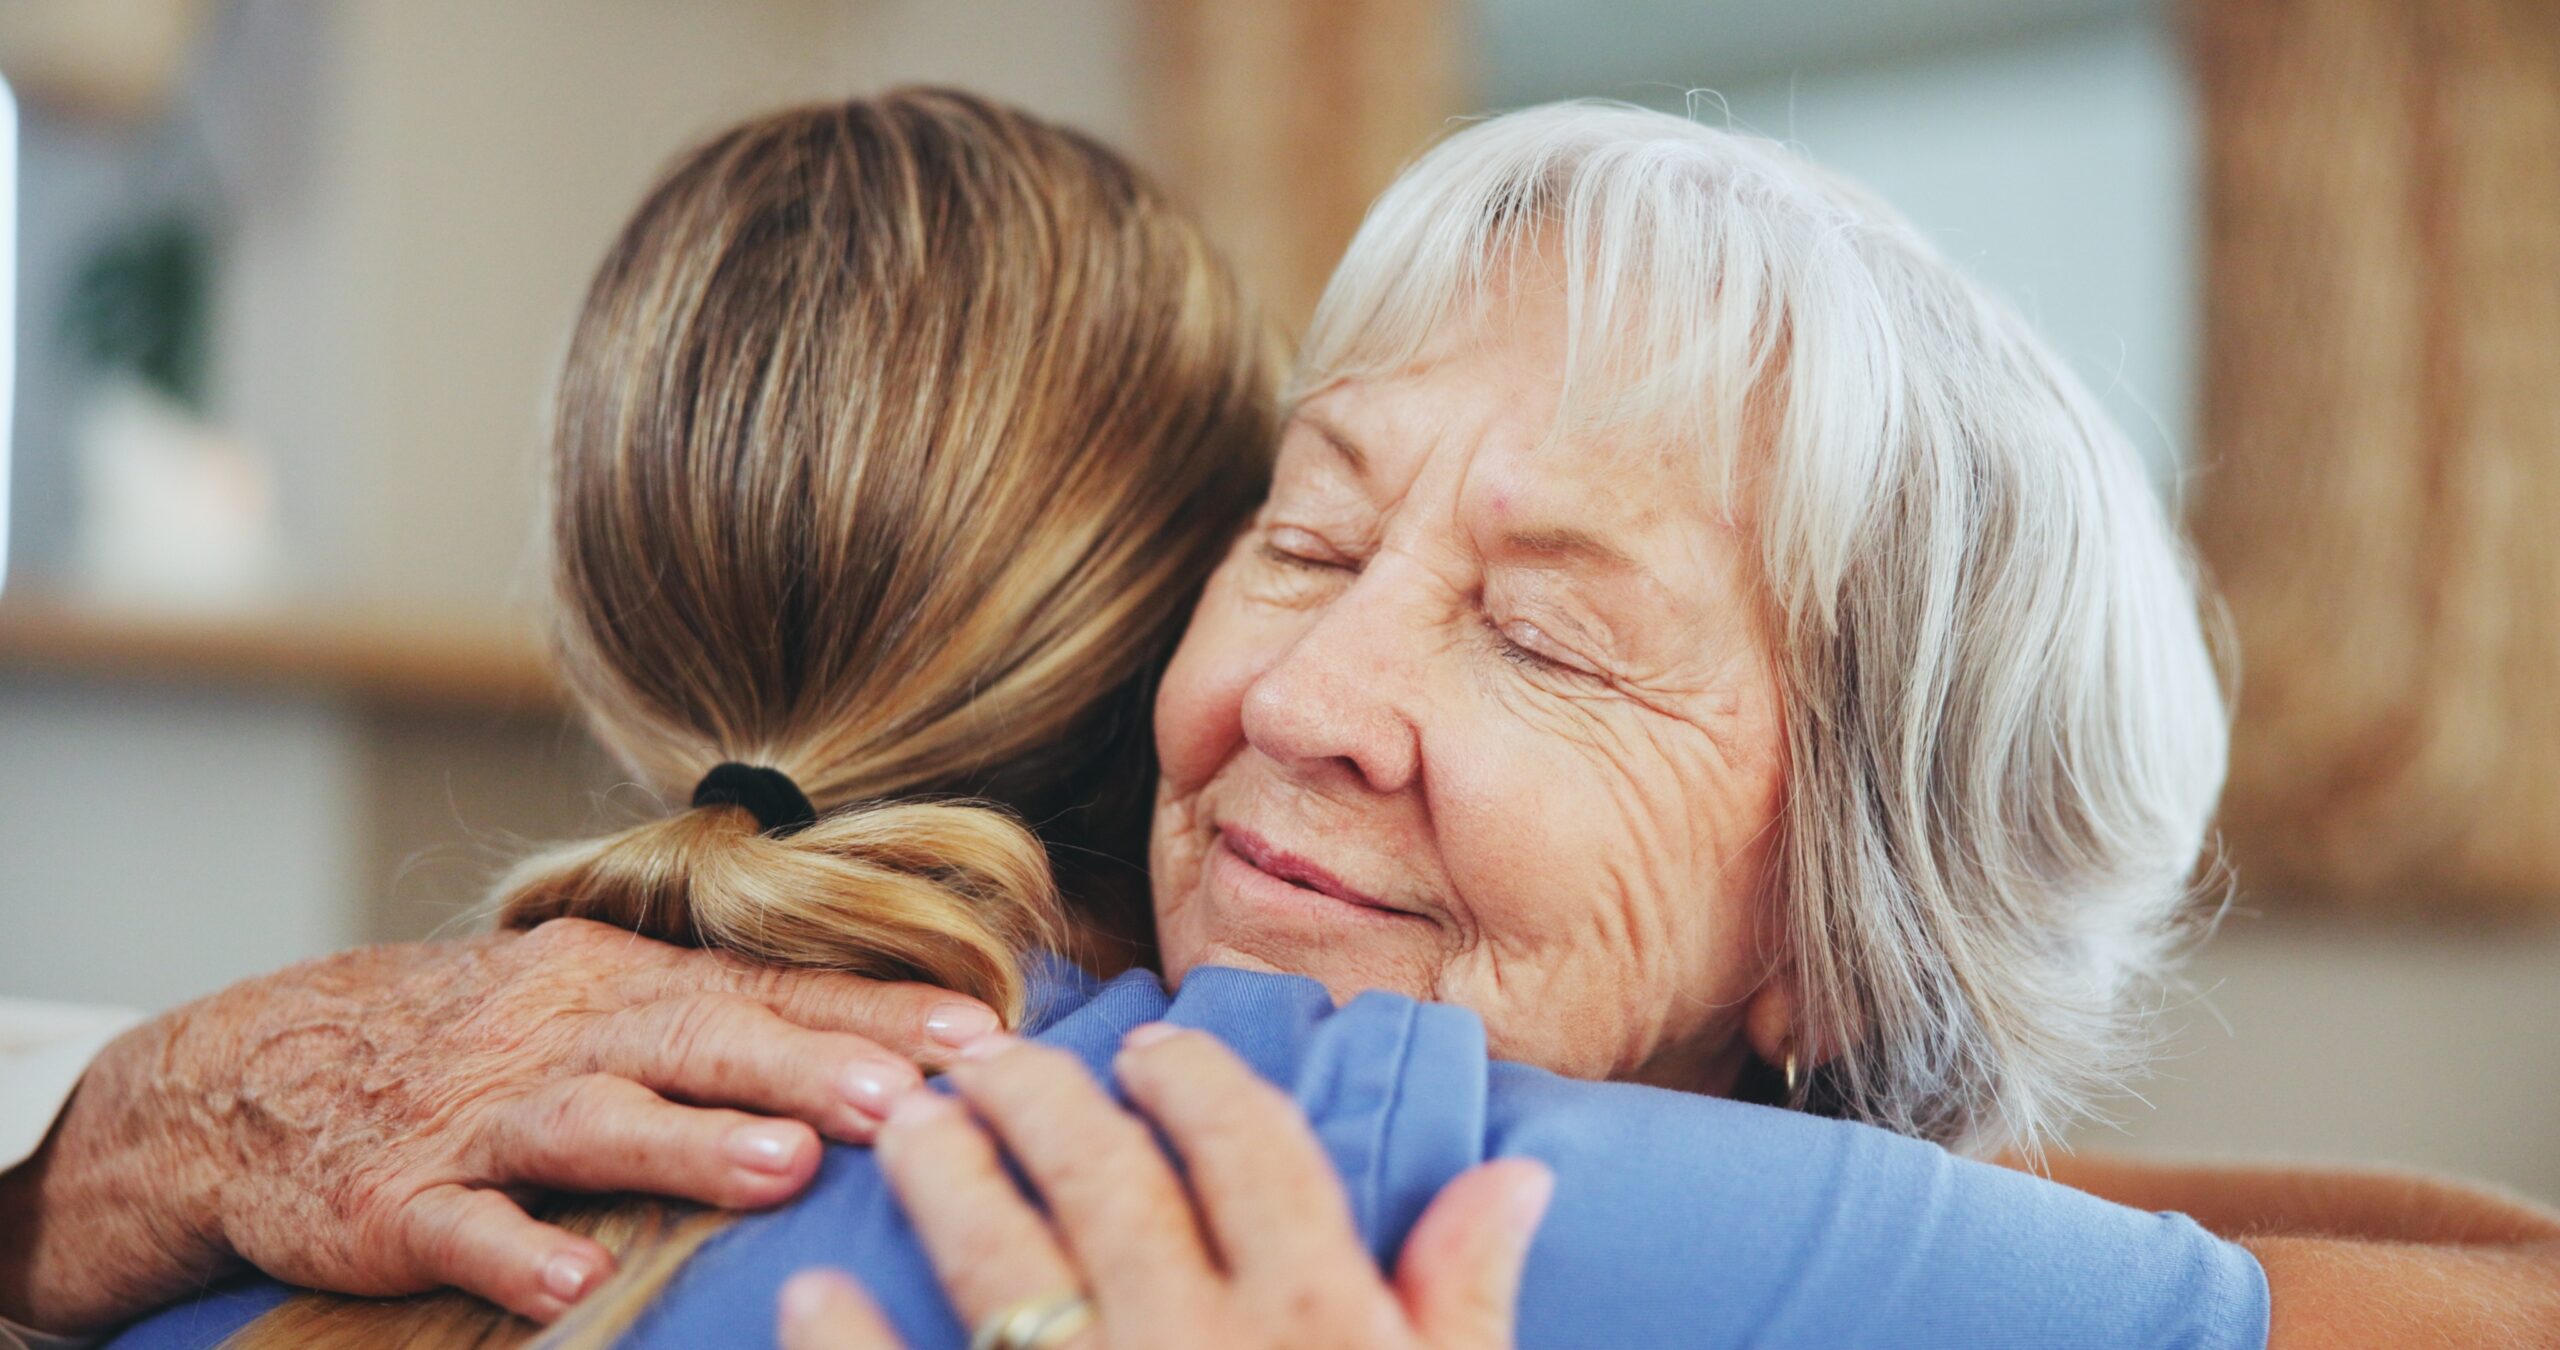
column 1480, row 718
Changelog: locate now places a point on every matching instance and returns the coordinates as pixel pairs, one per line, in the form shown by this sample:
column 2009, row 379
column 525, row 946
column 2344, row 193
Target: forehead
column 1483, row 433
column 1534, row 411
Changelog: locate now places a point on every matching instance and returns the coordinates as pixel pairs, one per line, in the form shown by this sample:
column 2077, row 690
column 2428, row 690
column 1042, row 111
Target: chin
column 1343, row 967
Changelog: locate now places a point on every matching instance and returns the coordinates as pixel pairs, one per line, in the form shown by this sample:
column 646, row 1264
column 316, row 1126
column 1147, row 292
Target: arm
column 357, row 1123
column 2389, row 1257
column 44, row 1050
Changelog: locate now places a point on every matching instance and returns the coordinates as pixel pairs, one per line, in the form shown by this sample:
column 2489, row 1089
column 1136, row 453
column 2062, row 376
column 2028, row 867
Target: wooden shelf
column 388, row 658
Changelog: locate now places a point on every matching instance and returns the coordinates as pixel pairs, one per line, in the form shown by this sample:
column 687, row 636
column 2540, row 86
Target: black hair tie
column 781, row 809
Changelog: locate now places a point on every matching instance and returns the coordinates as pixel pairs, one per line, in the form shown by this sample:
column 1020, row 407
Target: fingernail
column 806, row 1295
column 918, row 1105
column 871, row 1087
column 989, row 1046
column 1149, row 1033
column 766, row 1147
column 566, row 1276
column 958, row 1024
column 1528, row 1206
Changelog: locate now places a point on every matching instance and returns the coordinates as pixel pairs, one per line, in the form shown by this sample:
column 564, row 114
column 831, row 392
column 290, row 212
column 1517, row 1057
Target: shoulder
column 1393, row 1088
column 1711, row 1221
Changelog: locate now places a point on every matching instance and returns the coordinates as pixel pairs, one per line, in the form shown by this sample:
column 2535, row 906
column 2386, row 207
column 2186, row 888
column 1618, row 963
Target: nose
column 1335, row 704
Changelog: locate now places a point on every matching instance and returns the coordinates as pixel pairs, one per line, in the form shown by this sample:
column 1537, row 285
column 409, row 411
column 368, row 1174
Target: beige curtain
column 2378, row 486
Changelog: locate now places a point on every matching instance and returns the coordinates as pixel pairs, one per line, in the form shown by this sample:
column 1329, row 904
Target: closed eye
column 1290, row 546
column 1526, row 645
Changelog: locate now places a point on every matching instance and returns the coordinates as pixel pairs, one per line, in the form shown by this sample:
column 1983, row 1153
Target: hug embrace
column 1618, row 796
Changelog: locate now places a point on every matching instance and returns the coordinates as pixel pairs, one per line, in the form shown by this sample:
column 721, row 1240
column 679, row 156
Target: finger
column 1114, row 1201
column 989, row 1246
column 600, row 1133
column 1459, row 1273
column 822, row 1310
column 480, row 1242
column 924, row 1023
column 728, row 1050
column 1264, row 1185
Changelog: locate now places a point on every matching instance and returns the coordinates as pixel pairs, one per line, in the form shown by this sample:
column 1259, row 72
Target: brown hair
column 893, row 442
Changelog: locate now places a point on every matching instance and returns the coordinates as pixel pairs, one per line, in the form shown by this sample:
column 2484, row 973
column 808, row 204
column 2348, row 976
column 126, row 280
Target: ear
column 1769, row 1023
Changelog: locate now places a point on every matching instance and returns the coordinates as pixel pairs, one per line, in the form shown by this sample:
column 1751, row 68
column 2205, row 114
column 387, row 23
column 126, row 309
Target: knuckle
column 851, row 1046
column 1310, row 1307
column 935, row 1148
column 757, row 983
column 1226, row 1127
column 572, row 1117
column 707, row 1012
column 1198, row 1052
column 1205, row 1083
column 1123, row 1205
column 987, row 1248
column 1319, row 1305
column 554, row 938
column 439, row 1237
column 715, row 1041
column 840, row 1000
column 1121, row 1148
column 731, row 1191
column 1039, row 1071
column 892, row 1004
column 388, row 1243
column 704, row 970
column 1253, row 1102
column 704, row 1035
column 1177, row 1064
column 556, row 1115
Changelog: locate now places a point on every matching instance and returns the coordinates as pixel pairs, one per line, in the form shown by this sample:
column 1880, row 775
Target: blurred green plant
column 140, row 305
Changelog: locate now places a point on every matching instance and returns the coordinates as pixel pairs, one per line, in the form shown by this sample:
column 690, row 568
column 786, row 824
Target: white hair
column 2005, row 729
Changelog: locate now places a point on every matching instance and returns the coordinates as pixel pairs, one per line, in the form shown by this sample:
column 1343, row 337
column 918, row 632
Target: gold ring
column 1035, row 1323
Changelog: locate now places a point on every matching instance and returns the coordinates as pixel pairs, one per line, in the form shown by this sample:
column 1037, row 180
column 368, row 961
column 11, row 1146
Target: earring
column 1791, row 1070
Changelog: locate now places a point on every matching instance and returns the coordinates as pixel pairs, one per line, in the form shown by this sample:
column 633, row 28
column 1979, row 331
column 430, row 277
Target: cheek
column 1200, row 705
column 1612, row 876
column 1579, row 848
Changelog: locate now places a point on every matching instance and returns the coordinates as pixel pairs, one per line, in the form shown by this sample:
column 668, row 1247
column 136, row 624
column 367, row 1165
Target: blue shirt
column 1678, row 1220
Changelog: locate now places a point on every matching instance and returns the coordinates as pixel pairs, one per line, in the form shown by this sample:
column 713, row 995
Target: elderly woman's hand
column 363, row 1123
column 1259, row 1249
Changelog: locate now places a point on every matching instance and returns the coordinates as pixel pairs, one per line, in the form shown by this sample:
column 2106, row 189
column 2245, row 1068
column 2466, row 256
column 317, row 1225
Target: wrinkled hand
column 367, row 1123
column 1259, row 1250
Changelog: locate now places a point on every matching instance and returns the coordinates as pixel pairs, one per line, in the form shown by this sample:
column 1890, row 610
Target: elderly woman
column 1694, row 628
column 1702, row 638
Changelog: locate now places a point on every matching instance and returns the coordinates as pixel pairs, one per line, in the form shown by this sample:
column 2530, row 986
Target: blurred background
column 290, row 276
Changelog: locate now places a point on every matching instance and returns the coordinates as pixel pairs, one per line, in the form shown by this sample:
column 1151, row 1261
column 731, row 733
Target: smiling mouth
column 1258, row 853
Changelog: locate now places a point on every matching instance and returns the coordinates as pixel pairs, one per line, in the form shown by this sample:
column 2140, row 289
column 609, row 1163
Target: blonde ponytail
column 894, row 442
column 948, row 892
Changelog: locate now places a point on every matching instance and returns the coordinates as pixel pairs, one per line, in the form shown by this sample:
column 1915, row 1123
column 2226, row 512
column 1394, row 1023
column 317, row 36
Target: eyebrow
column 1562, row 543
column 1569, row 545
column 1336, row 437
